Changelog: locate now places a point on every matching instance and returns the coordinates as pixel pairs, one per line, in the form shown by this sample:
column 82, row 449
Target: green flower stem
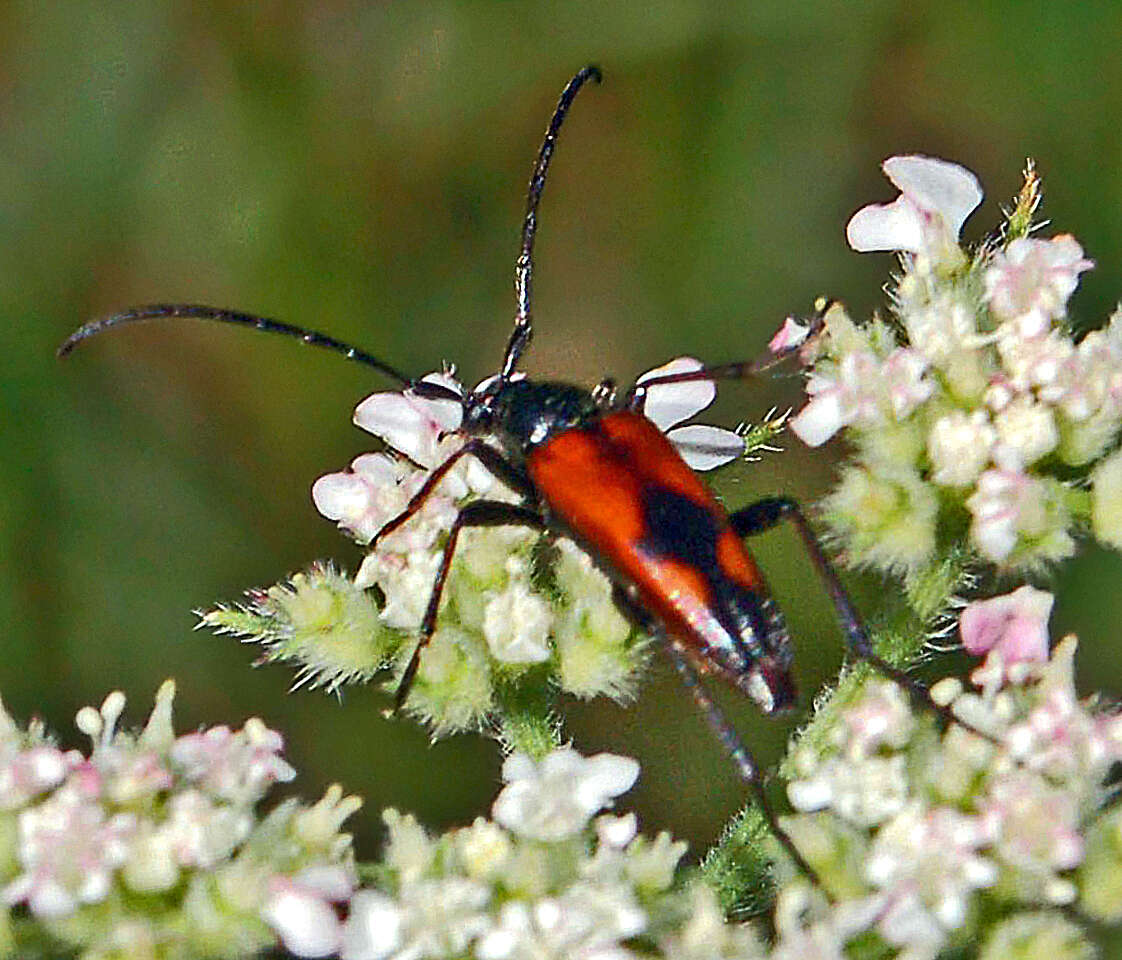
column 527, row 720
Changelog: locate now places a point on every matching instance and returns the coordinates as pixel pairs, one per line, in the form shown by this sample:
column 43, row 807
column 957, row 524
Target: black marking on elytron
column 679, row 529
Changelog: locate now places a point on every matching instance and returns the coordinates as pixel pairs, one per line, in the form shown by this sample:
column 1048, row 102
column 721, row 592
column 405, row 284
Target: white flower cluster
column 151, row 846
column 517, row 609
column 923, row 836
column 976, row 406
column 546, row 879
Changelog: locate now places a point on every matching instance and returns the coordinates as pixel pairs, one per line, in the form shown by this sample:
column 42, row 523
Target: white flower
column 586, row 922
column 300, row 910
column 1026, row 431
column 373, row 928
column 864, row 791
column 363, row 499
column 865, row 391
column 555, row 798
column 413, row 425
column 934, row 851
column 1031, row 280
column 1005, row 503
column 702, row 447
column 959, row 446
column 935, row 199
column 441, row 918
column 516, row 624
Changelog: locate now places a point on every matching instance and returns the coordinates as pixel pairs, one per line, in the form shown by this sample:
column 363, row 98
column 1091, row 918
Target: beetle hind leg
column 740, row 755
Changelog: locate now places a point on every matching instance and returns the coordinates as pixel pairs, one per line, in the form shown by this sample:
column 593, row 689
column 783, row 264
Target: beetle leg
column 488, row 456
column 478, row 513
column 767, row 513
column 739, row 370
column 746, row 764
column 727, row 736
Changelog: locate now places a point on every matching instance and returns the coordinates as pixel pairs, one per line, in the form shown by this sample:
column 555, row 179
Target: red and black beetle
column 592, row 467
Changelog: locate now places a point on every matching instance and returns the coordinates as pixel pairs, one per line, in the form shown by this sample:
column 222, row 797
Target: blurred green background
column 361, row 168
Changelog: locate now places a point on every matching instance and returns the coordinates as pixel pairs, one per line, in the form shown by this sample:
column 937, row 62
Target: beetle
column 589, row 465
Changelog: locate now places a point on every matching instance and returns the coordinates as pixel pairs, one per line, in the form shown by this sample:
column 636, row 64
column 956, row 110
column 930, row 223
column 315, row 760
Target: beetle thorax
column 524, row 414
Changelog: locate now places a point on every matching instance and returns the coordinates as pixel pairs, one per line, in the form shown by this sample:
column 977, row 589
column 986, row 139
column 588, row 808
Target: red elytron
column 591, row 466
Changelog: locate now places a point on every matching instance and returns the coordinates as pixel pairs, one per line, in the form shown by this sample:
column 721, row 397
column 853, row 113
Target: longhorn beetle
column 590, row 466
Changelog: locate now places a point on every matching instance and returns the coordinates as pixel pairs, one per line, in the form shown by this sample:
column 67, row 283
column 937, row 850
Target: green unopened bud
column 453, row 688
column 1037, row 936
column 887, row 519
column 1106, row 501
column 320, row 620
column 1100, row 875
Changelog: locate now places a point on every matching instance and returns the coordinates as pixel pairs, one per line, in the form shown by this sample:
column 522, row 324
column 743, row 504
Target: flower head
column 154, row 841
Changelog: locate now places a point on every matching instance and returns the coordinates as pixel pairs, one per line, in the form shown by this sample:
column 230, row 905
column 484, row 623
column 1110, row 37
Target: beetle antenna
column 524, row 269
column 162, row 311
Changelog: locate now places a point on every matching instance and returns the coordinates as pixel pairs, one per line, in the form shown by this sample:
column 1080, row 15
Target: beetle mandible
column 589, row 465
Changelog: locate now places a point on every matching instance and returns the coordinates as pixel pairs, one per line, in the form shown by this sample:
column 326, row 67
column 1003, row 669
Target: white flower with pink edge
column 935, row 199
column 1031, row 280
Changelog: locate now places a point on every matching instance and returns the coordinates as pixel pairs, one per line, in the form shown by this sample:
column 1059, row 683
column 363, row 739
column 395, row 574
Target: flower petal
column 705, row 448
column 936, row 186
column 886, row 226
column 820, row 419
column 672, row 403
column 447, row 413
column 1016, row 624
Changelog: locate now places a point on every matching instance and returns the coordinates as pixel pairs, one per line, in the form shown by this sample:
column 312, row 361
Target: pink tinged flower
column 554, row 798
column 26, row 773
column 1015, row 624
column 373, row 928
column 362, row 499
column 68, row 851
column 702, row 447
column 300, row 910
column 1004, row 503
column 904, row 375
column 789, row 336
column 1031, row 280
column 236, row 766
column 1036, row 824
column 410, row 424
column 881, row 718
column 935, row 199
column 201, row 832
column 864, row 391
column 934, row 852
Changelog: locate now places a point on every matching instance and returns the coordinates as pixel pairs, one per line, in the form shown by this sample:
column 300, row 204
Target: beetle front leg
column 767, row 513
column 494, row 461
column 478, row 513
